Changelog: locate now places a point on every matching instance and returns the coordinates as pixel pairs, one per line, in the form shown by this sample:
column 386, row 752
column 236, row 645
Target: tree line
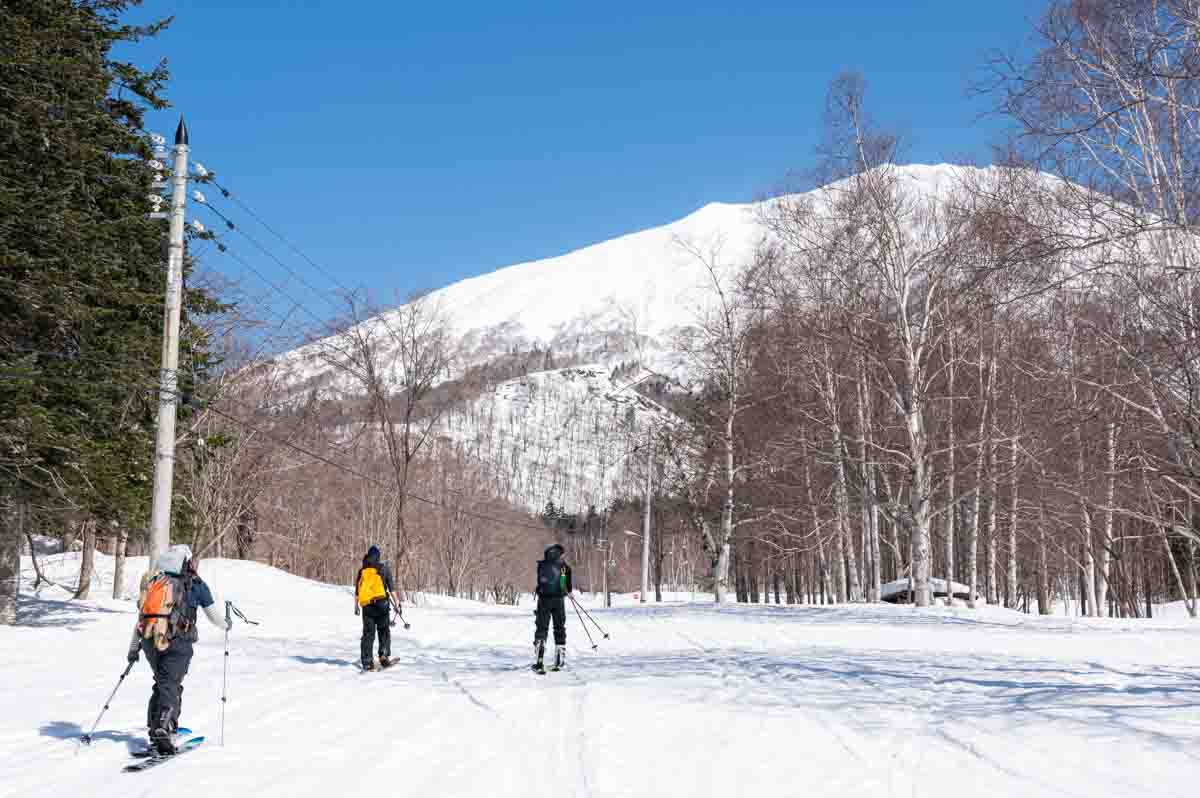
column 927, row 381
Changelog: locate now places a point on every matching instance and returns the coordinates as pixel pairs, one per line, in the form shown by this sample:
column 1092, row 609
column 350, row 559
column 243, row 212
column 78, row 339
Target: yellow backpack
column 370, row 586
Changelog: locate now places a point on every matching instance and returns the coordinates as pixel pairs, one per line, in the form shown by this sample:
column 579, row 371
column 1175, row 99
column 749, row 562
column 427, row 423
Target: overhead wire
column 229, row 223
column 225, row 192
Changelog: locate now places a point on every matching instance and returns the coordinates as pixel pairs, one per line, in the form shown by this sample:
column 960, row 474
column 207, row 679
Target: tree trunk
column 985, row 388
column 122, row 541
column 870, row 510
column 1043, row 585
column 918, row 499
column 1085, row 516
column 87, row 560
column 844, row 576
column 1013, row 511
column 993, row 534
column 1107, row 535
column 951, row 503
column 10, row 559
column 1147, row 585
column 1189, row 599
column 721, row 571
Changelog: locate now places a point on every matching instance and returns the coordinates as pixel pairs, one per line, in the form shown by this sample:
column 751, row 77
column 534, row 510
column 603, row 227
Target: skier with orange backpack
column 166, row 632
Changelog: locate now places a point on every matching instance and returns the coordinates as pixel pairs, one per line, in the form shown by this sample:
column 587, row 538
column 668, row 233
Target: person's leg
column 151, row 654
column 541, row 627
column 368, row 637
column 383, row 624
column 560, row 632
column 559, row 610
column 171, row 669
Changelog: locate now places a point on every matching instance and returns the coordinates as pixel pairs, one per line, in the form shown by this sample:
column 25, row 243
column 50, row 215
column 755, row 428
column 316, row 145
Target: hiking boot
column 539, row 652
column 385, row 662
column 369, row 666
column 560, row 657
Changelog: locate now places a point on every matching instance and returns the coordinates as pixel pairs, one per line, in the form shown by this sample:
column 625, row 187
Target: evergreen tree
column 81, row 270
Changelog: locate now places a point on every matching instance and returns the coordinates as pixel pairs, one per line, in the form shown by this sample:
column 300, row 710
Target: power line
column 296, row 304
column 225, row 192
column 234, row 226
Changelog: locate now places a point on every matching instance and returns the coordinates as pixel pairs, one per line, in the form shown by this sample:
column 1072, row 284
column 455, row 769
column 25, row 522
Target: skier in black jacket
column 553, row 586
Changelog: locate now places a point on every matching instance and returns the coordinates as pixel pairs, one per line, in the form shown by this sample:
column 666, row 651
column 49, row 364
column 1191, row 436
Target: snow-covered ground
column 683, row 700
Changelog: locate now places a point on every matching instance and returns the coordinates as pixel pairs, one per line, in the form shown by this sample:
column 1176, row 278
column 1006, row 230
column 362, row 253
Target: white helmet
column 172, row 560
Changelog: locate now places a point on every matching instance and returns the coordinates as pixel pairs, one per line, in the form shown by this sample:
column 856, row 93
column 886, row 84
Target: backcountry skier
column 372, row 588
column 166, row 632
column 553, row 586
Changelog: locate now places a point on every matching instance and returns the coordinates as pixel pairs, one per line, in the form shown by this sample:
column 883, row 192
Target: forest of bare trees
column 988, row 376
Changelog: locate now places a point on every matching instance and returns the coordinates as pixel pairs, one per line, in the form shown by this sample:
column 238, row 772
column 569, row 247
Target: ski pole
column 590, row 618
column 399, row 613
column 87, row 738
column 584, row 625
column 230, row 611
column 225, row 671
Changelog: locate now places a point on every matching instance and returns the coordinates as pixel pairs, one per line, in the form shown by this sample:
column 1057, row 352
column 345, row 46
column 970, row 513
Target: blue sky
column 408, row 145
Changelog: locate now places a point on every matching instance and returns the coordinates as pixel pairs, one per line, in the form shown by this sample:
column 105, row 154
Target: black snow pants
column 375, row 619
column 548, row 607
column 170, row 666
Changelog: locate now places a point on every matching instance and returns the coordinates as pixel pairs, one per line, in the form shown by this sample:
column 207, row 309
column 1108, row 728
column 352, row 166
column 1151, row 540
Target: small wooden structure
column 897, row 592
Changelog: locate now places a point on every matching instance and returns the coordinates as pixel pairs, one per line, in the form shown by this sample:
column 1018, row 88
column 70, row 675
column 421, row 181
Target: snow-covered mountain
column 613, row 301
column 550, row 434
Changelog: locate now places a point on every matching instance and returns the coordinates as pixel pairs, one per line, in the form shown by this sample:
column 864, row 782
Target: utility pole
column 606, row 554
column 168, row 397
column 646, row 515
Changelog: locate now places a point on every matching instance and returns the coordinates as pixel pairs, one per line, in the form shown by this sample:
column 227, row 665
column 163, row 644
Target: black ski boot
column 161, row 736
column 560, row 658
column 539, row 650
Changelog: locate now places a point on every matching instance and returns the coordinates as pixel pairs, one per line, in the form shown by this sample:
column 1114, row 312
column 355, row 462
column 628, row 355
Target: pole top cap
column 181, row 132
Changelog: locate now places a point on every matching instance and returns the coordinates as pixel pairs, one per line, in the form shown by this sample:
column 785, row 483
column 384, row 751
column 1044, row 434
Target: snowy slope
column 568, row 435
column 607, row 302
column 622, row 300
column 683, row 700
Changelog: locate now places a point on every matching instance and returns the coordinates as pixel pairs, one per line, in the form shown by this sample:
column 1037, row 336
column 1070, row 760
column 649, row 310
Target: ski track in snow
column 684, row 699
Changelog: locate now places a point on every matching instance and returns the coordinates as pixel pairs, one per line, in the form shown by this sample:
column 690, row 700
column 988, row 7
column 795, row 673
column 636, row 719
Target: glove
column 134, row 651
column 356, row 611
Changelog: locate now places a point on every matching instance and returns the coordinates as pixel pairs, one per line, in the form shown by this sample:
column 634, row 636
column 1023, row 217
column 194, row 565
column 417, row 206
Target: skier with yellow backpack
column 372, row 591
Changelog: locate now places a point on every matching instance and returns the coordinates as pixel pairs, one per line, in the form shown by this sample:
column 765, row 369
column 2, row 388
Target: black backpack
column 548, row 573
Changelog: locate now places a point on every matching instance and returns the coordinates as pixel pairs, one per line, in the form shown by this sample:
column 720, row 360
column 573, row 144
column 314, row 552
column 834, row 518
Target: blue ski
column 157, row 759
column 181, row 734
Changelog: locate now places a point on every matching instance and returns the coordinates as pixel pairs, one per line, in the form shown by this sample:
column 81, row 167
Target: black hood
column 372, row 557
column 554, row 553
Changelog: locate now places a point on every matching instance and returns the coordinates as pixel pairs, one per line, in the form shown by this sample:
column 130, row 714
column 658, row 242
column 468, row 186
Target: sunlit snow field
column 685, row 699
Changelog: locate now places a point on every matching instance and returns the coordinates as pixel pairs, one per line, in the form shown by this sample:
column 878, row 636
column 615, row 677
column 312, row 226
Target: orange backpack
column 162, row 608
